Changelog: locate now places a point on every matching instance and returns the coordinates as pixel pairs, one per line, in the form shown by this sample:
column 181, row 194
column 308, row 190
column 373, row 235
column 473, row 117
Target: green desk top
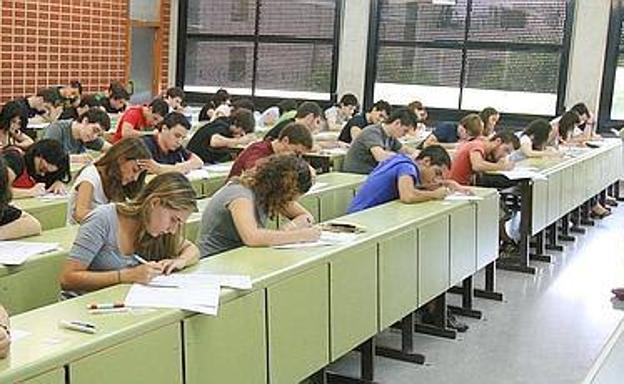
column 34, row 203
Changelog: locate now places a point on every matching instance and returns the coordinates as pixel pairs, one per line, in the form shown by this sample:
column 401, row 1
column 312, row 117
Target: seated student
column 222, row 104
column 14, row 223
column 210, row 140
column 69, row 95
column 174, row 97
column 338, row 115
column 378, row 142
column 137, row 118
column 411, row 181
column 490, row 118
column 43, row 168
column 117, row 176
column 479, row 156
column 5, row 336
column 534, row 139
column 167, row 149
column 13, row 122
column 563, row 128
column 294, row 139
column 308, row 113
column 44, row 105
column 236, row 215
column 207, row 111
column 377, row 114
column 586, row 130
column 469, row 127
column 77, row 109
column 421, row 112
column 75, row 136
column 150, row 226
column 287, row 110
column 116, row 98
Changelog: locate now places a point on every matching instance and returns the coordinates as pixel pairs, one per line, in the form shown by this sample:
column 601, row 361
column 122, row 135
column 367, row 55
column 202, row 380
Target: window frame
column 256, row 39
column 616, row 17
column 466, row 45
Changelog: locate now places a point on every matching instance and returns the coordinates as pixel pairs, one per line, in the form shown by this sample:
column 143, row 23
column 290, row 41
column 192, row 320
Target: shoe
column 611, row 202
column 453, row 323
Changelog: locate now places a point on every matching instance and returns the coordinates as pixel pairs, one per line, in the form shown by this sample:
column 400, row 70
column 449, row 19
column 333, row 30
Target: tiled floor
column 550, row 329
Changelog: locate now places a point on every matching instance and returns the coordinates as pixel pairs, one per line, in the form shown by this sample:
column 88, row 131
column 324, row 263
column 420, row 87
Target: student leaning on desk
column 115, row 239
column 14, row 223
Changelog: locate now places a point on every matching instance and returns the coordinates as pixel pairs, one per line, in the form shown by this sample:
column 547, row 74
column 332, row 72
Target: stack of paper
column 462, row 197
column 17, row 252
column 197, row 292
column 327, row 238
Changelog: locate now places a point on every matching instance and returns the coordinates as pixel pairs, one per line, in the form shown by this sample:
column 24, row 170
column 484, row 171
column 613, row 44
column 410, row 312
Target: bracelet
column 6, row 329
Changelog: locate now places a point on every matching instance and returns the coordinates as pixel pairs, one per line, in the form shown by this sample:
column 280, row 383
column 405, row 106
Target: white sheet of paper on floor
column 462, row 197
column 327, row 238
column 17, row 252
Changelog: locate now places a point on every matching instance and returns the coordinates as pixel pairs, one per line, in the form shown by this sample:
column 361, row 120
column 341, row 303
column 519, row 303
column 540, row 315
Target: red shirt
column 461, row 168
column 248, row 158
column 133, row 116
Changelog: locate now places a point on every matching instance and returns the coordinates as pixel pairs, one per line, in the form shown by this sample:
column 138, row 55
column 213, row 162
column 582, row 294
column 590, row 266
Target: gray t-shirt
column 96, row 244
column 61, row 132
column 359, row 158
column 218, row 232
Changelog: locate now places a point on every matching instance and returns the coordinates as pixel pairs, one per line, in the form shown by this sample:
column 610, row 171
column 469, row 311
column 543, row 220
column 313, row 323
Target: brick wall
column 165, row 20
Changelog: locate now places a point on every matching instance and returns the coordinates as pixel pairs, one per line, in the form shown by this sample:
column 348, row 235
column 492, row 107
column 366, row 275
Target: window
column 611, row 112
column 470, row 54
column 263, row 48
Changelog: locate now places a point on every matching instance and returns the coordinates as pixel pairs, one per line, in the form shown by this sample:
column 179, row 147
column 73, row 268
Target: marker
column 76, row 325
column 105, row 305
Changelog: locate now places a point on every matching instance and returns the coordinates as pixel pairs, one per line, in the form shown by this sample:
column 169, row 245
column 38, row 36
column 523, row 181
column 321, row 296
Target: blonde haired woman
column 151, row 226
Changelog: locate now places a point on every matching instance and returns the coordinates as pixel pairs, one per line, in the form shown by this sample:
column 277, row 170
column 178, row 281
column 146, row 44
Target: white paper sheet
column 200, row 279
column 327, row 238
column 334, row 151
column 204, row 299
column 54, row 196
column 519, row 174
column 317, row 187
column 17, row 252
column 197, row 174
column 219, row 168
column 462, row 197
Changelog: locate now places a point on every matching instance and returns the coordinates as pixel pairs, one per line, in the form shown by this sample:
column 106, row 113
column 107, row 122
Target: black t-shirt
column 30, row 112
column 15, row 160
column 105, row 103
column 277, row 129
column 9, row 214
column 180, row 155
column 356, row 121
column 70, row 113
column 200, row 142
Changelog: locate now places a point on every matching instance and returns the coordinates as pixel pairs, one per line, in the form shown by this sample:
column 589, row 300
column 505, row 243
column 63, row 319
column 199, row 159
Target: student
column 222, row 103
column 174, row 97
column 294, row 139
column 69, row 95
column 43, row 168
column 75, row 136
column 485, row 155
column 563, row 127
column 534, row 140
column 308, row 113
column 13, row 122
column 167, row 149
column 287, row 110
column 377, row 114
column 5, row 335
column 490, row 118
column 150, row 226
column 236, row 215
column 210, row 140
column 339, row 114
column 400, row 177
column 587, row 127
column 44, row 105
column 78, row 109
column 116, row 98
column 14, row 223
column 378, row 142
column 117, row 176
column 469, row 127
column 421, row 112
column 139, row 117
column 207, row 111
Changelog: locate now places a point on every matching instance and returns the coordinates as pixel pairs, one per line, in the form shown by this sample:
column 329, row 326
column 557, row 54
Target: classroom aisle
column 550, row 329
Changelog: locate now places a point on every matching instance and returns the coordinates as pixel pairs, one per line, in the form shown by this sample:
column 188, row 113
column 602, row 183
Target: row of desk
column 307, row 308
column 35, row 283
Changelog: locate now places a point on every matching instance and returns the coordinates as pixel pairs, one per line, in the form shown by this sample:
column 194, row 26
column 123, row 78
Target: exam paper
column 462, row 197
column 54, row 196
column 204, row 299
column 17, row 252
column 199, row 279
column 219, row 168
column 519, row 174
column 327, row 238
column 334, row 151
column 197, row 174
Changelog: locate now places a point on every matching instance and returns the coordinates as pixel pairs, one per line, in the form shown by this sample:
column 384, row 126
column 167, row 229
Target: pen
column 76, row 325
column 140, row 259
column 107, row 311
column 105, row 305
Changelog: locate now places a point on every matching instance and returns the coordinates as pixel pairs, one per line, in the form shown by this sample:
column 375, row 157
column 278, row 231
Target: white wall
column 587, row 52
column 353, row 47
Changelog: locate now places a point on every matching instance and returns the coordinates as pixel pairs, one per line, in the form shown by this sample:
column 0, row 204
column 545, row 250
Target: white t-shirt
column 90, row 175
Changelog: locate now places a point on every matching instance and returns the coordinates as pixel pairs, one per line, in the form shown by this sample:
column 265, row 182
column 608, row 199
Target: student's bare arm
column 25, row 226
column 409, row 194
column 84, row 197
column 381, row 154
column 220, row 141
column 127, row 130
column 479, row 164
column 355, row 132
